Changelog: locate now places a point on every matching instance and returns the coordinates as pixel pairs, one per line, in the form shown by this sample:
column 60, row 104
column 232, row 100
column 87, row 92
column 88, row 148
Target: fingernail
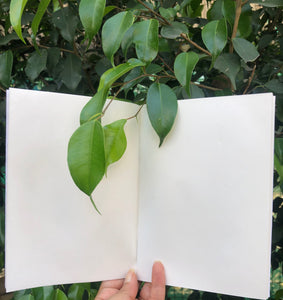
column 129, row 275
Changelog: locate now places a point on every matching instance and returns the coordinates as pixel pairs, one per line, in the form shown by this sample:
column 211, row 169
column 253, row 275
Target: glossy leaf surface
column 86, row 156
column 6, row 64
column 36, row 64
column 174, row 30
column 16, row 12
column 115, row 141
column 246, row 50
column 183, row 68
column 91, row 14
column 162, row 109
column 146, row 40
column 111, row 41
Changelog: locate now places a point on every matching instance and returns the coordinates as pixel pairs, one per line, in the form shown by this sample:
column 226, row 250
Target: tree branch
column 236, row 23
column 183, row 35
column 250, row 80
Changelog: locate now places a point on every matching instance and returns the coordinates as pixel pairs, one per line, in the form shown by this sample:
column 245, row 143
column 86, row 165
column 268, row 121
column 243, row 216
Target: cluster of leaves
column 147, row 52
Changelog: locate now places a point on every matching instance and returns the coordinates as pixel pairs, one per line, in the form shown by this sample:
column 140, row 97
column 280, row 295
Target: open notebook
column 202, row 203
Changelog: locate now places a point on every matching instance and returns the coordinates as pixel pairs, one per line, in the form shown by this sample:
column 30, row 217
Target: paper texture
column 53, row 233
column 205, row 210
column 203, row 201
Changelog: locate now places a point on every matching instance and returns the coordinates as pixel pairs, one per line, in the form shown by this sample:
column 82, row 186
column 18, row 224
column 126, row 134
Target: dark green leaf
column 71, row 75
column 86, row 156
column 16, row 12
column 43, row 4
column 59, row 295
column 4, row 40
column 131, row 77
column 146, row 40
column 102, row 66
column 168, row 13
column 36, row 64
column 279, row 295
column 66, row 20
column 94, row 106
column 268, row 3
column 6, row 64
column 52, row 58
column 162, row 109
column 113, row 32
column 183, row 67
column 228, row 10
column 115, row 141
column 196, row 92
column 275, row 86
column 111, row 75
column 91, row 14
column 246, row 50
column 230, row 65
column 43, row 293
column 174, row 30
column 26, row 297
column 278, row 149
column 75, row 292
column 128, row 39
column 153, row 69
column 214, row 36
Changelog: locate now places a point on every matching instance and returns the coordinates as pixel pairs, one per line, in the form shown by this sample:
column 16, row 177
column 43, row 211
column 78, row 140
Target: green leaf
column 43, row 293
column 268, row 3
column 275, row 86
column 246, row 50
column 196, row 92
column 128, row 39
column 228, row 10
column 91, row 14
column 168, row 13
column 56, row 5
column 111, row 75
column 36, row 64
column 75, row 292
column 86, row 156
column 146, row 40
column 43, row 4
column 66, row 20
column 53, row 58
column 115, row 141
column 108, row 9
column 113, row 32
column 16, row 12
column 174, row 30
column 71, row 74
column 230, row 65
column 135, row 73
column 162, row 108
column 214, row 36
column 153, row 69
column 4, row 40
column 59, row 295
column 278, row 149
column 183, row 67
column 26, row 297
column 6, row 64
column 94, row 106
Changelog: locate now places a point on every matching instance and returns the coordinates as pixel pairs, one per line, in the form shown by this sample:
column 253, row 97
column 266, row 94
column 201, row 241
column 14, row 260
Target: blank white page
column 205, row 206
column 53, row 233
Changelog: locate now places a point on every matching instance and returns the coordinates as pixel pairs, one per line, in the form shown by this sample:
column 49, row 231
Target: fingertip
column 130, row 287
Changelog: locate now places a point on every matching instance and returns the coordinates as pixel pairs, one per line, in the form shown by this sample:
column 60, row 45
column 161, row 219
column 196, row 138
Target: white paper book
column 202, row 203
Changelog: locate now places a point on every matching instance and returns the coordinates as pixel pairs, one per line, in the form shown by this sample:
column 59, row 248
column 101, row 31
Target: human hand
column 127, row 289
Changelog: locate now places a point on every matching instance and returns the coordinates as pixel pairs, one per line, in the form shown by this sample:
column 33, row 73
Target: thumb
column 129, row 289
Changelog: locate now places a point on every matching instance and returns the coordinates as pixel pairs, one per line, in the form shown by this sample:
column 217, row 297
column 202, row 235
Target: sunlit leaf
column 246, row 50
column 115, row 141
column 162, row 108
column 6, row 64
column 183, row 67
column 111, row 41
column 91, row 14
column 16, row 12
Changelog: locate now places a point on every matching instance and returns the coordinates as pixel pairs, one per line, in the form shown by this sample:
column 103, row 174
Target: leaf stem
column 94, row 204
column 135, row 115
column 206, row 86
column 236, row 23
column 183, row 35
column 250, row 80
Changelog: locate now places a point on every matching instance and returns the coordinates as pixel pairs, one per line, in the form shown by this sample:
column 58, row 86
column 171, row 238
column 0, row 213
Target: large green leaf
column 115, row 141
column 146, row 40
column 59, row 295
column 183, row 67
column 6, row 64
column 71, row 74
column 174, row 30
column 86, row 156
column 162, row 108
column 36, row 64
column 275, row 86
column 43, row 4
column 91, row 14
column 230, row 65
column 111, row 75
column 66, row 20
column 16, row 12
column 214, row 36
column 228, row 10
column 246, row 50
column 43, row 293
column 113, row 32
column 94, row 106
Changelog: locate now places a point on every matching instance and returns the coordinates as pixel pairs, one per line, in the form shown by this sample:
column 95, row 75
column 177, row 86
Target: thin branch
column 2, row 89
column 250, row 80
column 245, row 2
column 154, row 12
column 236, row 23
column 183, row 35
column 61, row 3
column 135, row 115
column 206, row 87
column 165, row 64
